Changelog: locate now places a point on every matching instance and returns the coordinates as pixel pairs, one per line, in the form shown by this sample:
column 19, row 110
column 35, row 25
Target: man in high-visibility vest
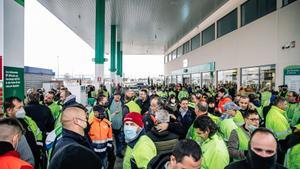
column 276, row 119
column 101, row 134
column 293, row 108
column 140, row 148
column 215, row 153
column 239, row 138
column 262, row 152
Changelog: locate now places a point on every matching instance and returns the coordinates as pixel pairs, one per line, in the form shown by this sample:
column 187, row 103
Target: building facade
column 250, row 43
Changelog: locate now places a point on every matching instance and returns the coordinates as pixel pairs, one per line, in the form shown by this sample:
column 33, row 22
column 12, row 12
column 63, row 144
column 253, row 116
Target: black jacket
column 42, row 115
column 74, row 156
column 164, row 141
column 187, row 120
column 70, row 137
column 159, row 161
column 245, row 165
column 144, row 105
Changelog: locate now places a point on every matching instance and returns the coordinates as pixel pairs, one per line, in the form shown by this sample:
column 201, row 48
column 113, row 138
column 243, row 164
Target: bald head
column 11, row 130
column 263, row 143
column 74, row 119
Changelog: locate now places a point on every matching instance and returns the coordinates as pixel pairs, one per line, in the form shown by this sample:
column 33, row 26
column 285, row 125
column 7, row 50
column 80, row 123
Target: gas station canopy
column 145, row 27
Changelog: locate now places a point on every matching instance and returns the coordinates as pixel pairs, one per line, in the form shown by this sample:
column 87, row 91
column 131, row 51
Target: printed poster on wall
column 292, row 78
column 13, row 82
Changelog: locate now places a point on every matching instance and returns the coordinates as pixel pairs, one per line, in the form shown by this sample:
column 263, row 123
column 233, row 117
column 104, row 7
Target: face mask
column 101, row 116
column 251, row 127
column 130, row 133
column 211, row 110
column 20, row 113
column 173, row 101
column 257, row 162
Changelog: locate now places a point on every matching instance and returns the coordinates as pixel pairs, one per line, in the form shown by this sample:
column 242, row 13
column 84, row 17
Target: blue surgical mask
column 251, row 127
column 130, row 133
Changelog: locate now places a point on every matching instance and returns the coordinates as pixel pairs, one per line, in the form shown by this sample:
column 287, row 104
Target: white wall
column 257, row 43
column 13, row 34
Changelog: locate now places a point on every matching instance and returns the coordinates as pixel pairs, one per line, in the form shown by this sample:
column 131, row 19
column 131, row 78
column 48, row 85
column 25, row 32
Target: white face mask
column 130, row 133
column 173, row 101
column 252, row 127
column 20, row 113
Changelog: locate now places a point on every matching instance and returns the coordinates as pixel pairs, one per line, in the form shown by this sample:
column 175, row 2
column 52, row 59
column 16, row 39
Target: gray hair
column 162, row 116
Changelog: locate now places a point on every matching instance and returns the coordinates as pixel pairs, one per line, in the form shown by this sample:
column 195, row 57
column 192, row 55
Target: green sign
column 13, row 82
column 292, row 77
column 292, row 70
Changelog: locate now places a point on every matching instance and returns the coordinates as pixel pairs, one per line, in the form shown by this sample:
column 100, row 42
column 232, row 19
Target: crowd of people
column 158, row 127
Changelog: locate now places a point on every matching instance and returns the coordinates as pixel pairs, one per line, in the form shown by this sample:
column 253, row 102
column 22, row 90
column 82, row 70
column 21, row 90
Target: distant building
column 35, row 77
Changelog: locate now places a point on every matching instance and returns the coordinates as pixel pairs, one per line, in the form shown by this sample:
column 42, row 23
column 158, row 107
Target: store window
column 208, row 78
column 250, row 77
column 196, row 79
column 267, row 76
column 227, row 76
column 286, row 2
column 186, row 47
column 258, row 77
column 170, row 56
column 208, row 34
column 186, row 79
column 173, row 79
column 179, row 79
column 254, row 9
column 179, row 51
column 174, row 55
column 195, row 42
column 228, row 23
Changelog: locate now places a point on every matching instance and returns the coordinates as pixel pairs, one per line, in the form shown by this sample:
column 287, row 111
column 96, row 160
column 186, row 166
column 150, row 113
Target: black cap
column 222, row 90
column 99, row 109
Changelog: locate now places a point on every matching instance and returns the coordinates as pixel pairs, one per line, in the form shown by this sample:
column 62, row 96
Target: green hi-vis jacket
column 238, row 118
column 226, row 127
column 292, row 110
column 182, row 94
column 215, row 153
column 133, row 107
column 265, row 98
column 277, row 122
column 142, row 152
column 35, row 130
column 55, row 110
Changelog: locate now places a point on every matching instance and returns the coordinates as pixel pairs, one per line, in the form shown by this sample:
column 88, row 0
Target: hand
column 173, row 116
column 162, row 127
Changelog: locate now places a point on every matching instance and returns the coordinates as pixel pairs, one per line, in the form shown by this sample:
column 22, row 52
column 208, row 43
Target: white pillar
column 99, row 73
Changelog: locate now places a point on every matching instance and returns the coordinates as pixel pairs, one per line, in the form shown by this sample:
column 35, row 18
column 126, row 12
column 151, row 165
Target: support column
column 113, row 54
column 100, row 41
column 118, row 61
column 12, row 48
column 121, row 65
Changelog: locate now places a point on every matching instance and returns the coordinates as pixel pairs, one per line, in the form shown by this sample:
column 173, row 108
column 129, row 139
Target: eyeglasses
column 254, row 119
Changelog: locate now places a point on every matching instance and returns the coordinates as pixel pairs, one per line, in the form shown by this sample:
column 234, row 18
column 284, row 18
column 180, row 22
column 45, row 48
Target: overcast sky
column 48, row 41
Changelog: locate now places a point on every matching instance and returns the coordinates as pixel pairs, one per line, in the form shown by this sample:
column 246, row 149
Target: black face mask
column 101, row 116
column 211, row 110
column 258, row 162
